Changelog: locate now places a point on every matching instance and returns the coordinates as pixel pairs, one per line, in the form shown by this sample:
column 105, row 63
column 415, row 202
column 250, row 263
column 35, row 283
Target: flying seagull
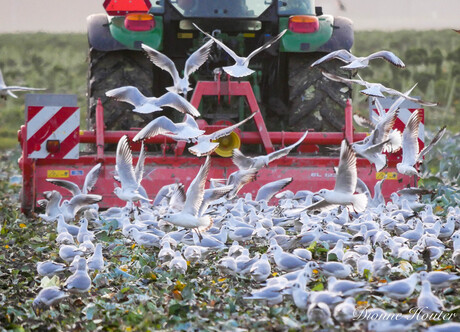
column 188, row 217
column 205, row 144
column 181, row 85
column 142, row 104
column 183, row 131
column 345, row 185
column 410, row 149
column 244, row 162
column 7, row 90
column 125, row 170
column 375, row 89
column 354, row 62
column 240, row 68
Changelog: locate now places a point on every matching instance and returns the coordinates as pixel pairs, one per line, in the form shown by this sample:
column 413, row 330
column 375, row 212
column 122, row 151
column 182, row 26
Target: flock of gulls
column 363, row 233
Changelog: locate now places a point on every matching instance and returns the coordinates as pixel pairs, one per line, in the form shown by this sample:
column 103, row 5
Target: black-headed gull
column 245, row 162
column 47, row 297
column 7, row 90
column 206, row 143
column 188, row 217
column 183, row 131
column 142, row 104
column 354, row 62
column 410, row 149
column 240, row 68
column 195, row 60
column 124, row 167
column 345, row 185
column 375, row 89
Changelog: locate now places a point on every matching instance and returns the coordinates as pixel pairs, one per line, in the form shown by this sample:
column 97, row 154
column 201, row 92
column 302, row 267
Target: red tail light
column 139, row 22
column 303, row 24
column 123, row 7
column 53, row 145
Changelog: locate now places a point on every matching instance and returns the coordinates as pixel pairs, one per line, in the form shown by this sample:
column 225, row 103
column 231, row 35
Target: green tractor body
column 292, row 95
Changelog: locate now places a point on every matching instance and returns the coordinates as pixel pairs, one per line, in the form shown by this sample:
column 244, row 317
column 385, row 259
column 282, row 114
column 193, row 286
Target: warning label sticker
column 59, row 173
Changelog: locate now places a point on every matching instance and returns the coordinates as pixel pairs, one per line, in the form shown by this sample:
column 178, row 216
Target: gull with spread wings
column 189, row 217
column 410, row 149
column 205, row 143
column 142, row 104
column 345, row 185
column 240, row 68
column 182, row 131
column 354, row 62
column 195, row 60
column 7, row 90
column 376, row 89
column 244, row 162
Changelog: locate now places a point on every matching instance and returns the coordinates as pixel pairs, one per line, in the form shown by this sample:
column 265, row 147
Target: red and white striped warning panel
column 53, row 132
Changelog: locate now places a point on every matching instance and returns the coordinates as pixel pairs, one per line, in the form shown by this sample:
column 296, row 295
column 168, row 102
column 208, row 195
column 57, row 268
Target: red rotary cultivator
column 53, row 144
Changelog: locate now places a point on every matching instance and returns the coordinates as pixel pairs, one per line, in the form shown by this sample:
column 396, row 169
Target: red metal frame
column 309, row 171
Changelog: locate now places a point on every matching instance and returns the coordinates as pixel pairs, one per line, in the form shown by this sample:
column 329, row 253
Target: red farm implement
column 61, row 157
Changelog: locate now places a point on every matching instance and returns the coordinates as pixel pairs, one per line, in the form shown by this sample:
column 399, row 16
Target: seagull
column 79, row 282
column 68, row 209
column 206, row 143
column 185, row 131
column 240, row 68
column 354, row 62
column 96, row 261
column 188, row 217
column 239, row 179
column 47, row 297
column 145, row 105
column 124, row 167
column 244, row 162
column 178, row 263
column 285, row 261
column 439, row 279
column 267, row 191
column 83, row 231
column 50, row 268
column 427, row 301
column 195, row 61
column 345, row 185
column 144, row 239
column 346, row 311
column 88, row 185
column 398, row 323
column 68, row 252
column 272, row 294
column 400, row 289
column 320, row 313
column 7, row 90
column 261, row 269
column 375, row 89
column 166, row 253
column 410, row 154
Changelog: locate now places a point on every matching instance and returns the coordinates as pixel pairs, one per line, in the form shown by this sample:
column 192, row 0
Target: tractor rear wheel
column 315, row 102
column 114, row 69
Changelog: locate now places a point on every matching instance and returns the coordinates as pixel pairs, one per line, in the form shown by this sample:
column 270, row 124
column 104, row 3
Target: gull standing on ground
column 345, row 185
column 124, row 167
column 244, row 162
column 47, row 297
column 185, row 131
column 7, row 90
column 439, row 279
column 261, row 269
column 80, row 281
column 240, row 68
column 410, row 148
column 354, row 62
column 205, row 143
column 375, row 89
column 188, row 217
column 194, row 61
column 50, row 268
column 96, row 261
column 146, row 105
column 427, row 302
column 400, row 289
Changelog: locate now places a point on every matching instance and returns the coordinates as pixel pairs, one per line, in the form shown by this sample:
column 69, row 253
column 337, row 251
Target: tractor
column 291, row 95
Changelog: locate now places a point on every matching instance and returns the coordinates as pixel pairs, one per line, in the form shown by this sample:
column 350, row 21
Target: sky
column 388, row 15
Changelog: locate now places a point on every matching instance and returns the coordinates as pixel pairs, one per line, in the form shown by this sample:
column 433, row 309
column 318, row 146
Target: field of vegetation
column 58, row 62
